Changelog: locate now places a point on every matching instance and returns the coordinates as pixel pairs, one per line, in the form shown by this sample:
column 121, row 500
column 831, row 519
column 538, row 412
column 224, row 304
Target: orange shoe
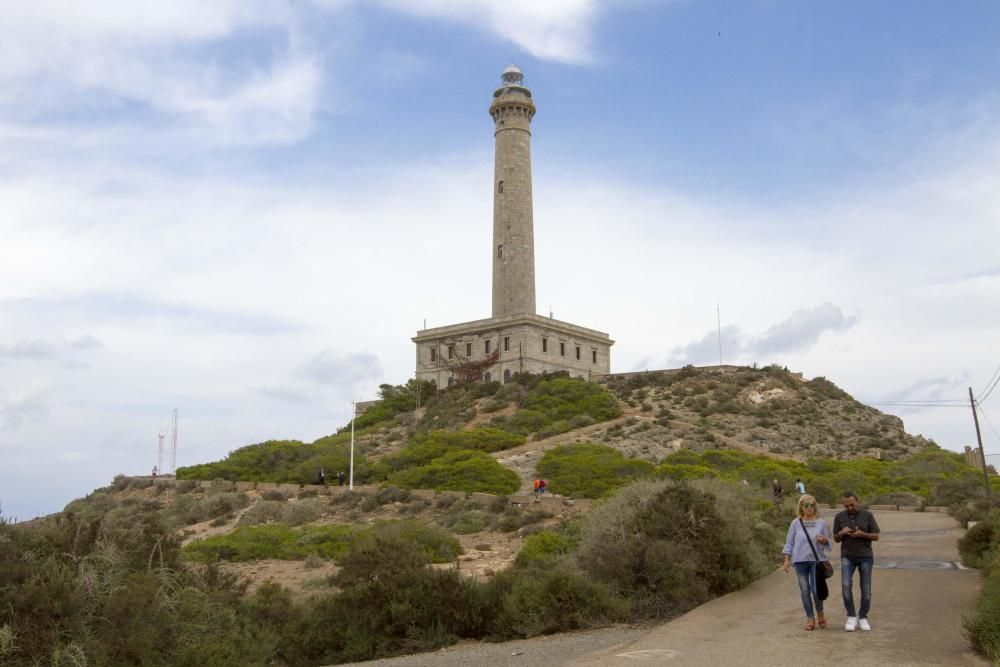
column 821, row 619
column 810, row 624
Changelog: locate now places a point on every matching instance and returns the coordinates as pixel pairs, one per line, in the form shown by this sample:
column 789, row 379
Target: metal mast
column 173, row 444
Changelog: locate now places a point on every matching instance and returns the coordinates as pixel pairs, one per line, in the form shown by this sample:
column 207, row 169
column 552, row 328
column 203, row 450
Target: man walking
column 855, row 528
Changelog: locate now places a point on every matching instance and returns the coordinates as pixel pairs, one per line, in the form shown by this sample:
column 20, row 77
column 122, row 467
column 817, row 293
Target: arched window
column 506, row 375
column 486, row 376
column 500, row 251
column 500, row 187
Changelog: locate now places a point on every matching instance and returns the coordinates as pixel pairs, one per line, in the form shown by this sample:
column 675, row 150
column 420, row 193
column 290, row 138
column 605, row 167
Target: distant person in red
column 541, row 487
column 155, row 471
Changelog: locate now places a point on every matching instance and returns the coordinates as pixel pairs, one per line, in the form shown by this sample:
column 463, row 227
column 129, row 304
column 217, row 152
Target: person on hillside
column 340, row 478
column 321, row 477
column 535, row 485
column 542, row 485
column 855, row 529
column 808, row 527
column 155, row 471
column 777, row 493
column 800, row 488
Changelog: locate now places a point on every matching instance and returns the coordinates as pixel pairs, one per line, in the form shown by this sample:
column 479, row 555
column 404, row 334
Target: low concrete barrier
column 288, row 488
column 245, row 486
column 266, row 486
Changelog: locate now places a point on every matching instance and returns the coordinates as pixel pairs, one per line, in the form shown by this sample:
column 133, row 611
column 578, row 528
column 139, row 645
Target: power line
column 921, row 404
column 985, row 393
column 988, row 422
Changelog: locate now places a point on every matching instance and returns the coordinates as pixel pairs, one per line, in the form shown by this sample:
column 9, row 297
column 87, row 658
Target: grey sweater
column 796, row 545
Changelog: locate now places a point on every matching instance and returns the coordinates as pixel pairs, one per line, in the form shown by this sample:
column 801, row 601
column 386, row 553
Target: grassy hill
column 205, row 570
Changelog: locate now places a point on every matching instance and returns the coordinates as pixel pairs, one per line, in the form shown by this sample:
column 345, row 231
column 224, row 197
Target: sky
column 244, row 209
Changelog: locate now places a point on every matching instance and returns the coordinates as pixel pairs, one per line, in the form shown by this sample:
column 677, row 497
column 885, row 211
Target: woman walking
column 806, row 548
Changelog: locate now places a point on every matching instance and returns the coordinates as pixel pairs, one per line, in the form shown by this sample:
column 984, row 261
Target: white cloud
column 557, row 30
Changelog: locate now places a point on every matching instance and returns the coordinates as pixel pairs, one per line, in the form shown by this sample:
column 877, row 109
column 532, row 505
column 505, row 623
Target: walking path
column 920, row 595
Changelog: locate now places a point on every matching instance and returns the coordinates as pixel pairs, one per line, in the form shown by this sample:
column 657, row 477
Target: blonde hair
column 802, row 501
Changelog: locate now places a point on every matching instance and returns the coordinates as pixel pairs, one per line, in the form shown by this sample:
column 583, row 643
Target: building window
column 506, row 375
column 451, row 381
column 434, row 354
column 500, row 187
column 545, row 345
column 578, row 353
column 593, row 354
column 506, row 343
column 500, row 251
column 486, row 376
column 486, row 346
column 468, row 349
column 562, row 349
column 451, row 351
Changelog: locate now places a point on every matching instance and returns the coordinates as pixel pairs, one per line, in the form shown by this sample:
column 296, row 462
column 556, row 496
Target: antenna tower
column 159, row 452
column 173, row 444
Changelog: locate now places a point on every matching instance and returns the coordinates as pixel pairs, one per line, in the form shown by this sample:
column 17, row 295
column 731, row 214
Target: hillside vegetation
column 681, row 462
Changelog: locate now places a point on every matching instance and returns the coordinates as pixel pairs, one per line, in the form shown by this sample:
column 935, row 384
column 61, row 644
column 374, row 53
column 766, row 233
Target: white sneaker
column 852, row 624
column 863, row 624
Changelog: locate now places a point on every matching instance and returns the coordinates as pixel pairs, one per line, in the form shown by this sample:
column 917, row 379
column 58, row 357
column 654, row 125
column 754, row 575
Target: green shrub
column 588, row 470
column 291, row 514
column 981, row 542
column 982, row 627
column 464, row 470
column 559, row 404
column 544, row 545
column 669, row 546
column 272, row 541
column 536, row 601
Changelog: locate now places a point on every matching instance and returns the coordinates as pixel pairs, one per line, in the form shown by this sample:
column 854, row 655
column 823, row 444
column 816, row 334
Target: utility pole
column 159, row 452
column 718, row 321
column 173, row 444
column 979, row 439
column 354, row 412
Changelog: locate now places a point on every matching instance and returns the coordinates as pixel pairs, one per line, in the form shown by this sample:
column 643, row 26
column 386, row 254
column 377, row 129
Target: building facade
column 515, row 339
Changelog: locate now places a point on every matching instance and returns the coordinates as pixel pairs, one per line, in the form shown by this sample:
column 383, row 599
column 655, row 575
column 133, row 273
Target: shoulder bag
column 822, row 573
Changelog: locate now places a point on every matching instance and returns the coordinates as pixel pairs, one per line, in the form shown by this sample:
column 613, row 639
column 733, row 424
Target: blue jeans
column 847, row 567
column 806, row 573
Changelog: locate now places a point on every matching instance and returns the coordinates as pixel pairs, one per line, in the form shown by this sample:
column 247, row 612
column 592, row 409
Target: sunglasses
column 809, row 504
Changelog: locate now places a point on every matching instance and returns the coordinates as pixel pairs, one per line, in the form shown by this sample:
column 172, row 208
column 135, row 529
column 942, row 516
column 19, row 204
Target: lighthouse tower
column 514, row 339
column 513, row 227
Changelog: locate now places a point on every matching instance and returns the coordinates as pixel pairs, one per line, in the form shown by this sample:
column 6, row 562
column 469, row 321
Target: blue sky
column 245, row 209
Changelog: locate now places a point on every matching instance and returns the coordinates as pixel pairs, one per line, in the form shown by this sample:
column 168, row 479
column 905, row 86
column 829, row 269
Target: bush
column 588, row 470
column 291, row 514
column 535, row 601
column 464, row 470
column 544, row 546
column 559, row 404
column 669, row 546
column 983, row 626
column 981, row 542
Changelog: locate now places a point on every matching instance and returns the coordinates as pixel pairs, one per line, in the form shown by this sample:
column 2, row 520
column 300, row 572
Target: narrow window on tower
column 545, row 345
column 593, row 355
column 500, row 187
column 434, row 354
column 562, row 349
column 451, row 351
column 486, row 346
column 468, row 349
column 500, row 251
column 506, row 343
column 506, row 375
column 578, row 353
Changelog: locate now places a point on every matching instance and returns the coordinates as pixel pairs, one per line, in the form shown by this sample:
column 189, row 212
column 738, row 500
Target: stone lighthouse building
column 515, row 339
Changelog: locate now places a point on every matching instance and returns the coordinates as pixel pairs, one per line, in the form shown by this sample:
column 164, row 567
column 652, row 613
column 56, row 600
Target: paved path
column 919, row 598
